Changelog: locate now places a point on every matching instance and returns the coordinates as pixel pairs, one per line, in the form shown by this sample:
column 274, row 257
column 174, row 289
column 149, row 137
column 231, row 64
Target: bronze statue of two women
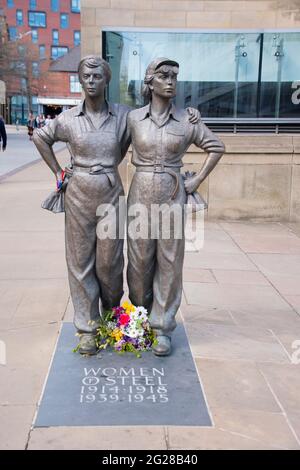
column 98, row 134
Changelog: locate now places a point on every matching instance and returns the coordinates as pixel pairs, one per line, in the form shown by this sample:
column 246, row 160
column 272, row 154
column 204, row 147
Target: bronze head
column 159, row 69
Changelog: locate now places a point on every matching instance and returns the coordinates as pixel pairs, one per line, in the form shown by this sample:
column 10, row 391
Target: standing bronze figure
column 96, row 134
column 161, row 134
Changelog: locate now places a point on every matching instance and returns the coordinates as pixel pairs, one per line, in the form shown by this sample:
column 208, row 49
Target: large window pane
column 281, row 68
column 224, row 75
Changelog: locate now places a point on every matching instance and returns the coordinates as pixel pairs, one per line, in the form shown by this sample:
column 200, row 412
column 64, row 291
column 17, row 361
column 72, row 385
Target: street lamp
column 19, row 37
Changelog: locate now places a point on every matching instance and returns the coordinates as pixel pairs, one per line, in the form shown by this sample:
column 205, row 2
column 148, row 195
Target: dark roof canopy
column 67, row 63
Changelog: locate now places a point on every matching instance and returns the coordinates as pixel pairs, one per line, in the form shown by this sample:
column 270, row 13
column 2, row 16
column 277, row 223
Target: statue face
column 93, row 81
column 164, row 82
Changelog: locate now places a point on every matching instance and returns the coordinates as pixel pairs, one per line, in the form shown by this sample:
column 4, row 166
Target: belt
column 94, row 170
column 162, row 168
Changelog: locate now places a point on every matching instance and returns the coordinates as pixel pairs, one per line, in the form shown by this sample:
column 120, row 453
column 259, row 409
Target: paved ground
column 241, row 308
column 20, row 151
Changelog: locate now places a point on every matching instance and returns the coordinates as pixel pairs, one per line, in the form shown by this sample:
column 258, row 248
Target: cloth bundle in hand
column 194, row 202
column 55, row 202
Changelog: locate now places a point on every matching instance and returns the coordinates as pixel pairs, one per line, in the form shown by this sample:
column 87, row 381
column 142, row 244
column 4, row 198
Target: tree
column 20, row 64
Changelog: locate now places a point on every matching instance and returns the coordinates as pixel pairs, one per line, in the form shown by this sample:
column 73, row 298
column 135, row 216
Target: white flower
column 140, row 314
column 132, row 330
column 141, row 310
column 111, row 325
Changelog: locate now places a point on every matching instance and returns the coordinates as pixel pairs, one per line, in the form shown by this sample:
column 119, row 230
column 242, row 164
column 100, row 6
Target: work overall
column 95, row 264
column 155, row 265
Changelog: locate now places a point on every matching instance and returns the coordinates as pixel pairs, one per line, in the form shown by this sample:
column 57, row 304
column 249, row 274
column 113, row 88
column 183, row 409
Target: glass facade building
column 228, row 76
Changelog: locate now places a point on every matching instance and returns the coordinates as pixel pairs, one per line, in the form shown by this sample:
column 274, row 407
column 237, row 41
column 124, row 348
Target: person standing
column 48, row 119
column 41, row 120
column 31, row 125
column 3, row 135
column 161, row 134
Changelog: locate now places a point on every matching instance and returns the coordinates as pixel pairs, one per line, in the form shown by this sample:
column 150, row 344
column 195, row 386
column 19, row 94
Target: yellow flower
column 128, row 307
column 117, row 334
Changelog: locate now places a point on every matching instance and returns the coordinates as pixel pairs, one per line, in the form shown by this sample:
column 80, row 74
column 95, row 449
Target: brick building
column 52, row 27
column 59, row 87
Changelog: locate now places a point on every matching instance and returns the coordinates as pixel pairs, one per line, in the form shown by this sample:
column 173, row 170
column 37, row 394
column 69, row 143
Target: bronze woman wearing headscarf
column 160, row 135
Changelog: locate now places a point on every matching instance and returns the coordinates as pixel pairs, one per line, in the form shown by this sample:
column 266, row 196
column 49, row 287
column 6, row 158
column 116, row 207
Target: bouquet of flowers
column 125, row 328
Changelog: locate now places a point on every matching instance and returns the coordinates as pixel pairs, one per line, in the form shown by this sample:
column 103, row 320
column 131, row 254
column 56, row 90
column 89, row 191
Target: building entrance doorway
column 52, row 110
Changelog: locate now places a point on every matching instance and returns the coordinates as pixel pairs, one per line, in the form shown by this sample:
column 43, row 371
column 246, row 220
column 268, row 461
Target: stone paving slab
column 216, row 241
column 237, row 384
column 199, row 275
column 28, row 355
column 221, row 260
column 277, row 264
column 212, row 439
column 269, row 429
column 238, row 277
column 21, row 300
column 97, row 438
column 294, row 301
column 249, row 297
column 241, row 430
column 15, row 423
column 294, row 419
column 262, row 238
column 289, row 338
column 32, row 242
column 195, row 314
column 218, row 341
column 254, row 228
column 285, row 382
column 285, row 320
column 33, row 266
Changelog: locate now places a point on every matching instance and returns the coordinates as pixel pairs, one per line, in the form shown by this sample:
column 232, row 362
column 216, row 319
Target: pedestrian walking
column 3, row 135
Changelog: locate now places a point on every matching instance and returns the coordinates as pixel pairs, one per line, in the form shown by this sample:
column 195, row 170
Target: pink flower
column 124, row 319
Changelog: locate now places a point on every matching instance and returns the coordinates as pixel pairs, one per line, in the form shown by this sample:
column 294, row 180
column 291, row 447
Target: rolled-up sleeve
column 206, row 139
column 53, row 131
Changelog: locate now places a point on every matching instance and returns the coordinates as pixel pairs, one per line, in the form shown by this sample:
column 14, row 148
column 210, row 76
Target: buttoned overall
column 155, row 265
column 95, row 265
